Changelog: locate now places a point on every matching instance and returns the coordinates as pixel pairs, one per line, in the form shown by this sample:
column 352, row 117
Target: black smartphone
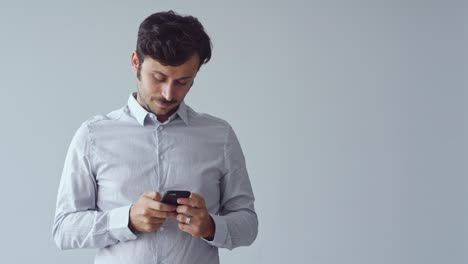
column 170, row 197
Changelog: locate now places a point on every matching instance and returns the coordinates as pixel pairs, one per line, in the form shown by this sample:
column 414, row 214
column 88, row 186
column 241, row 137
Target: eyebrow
column 186, row 77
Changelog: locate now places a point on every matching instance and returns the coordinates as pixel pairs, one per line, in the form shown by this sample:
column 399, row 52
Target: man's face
column 162, row 88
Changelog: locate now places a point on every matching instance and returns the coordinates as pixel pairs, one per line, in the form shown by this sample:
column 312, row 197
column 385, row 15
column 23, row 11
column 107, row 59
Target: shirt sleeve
column 236, row 224
column 77, row 222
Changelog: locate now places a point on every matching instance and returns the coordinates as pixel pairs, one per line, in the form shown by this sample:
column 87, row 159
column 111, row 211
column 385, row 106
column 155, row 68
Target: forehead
column 189, row 67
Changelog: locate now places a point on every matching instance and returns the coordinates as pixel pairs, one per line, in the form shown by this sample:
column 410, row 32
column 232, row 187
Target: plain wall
column 351, row 115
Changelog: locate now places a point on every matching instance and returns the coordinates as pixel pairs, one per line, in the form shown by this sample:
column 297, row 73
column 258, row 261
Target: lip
column 163, row 105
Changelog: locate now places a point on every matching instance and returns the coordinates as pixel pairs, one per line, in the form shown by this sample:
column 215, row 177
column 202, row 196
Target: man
column 118, row 165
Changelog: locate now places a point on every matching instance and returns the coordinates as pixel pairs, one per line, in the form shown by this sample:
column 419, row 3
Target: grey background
column 352, row 117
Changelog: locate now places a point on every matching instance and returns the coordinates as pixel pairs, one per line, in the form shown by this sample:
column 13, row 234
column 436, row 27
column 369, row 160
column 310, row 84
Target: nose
column 167, row 92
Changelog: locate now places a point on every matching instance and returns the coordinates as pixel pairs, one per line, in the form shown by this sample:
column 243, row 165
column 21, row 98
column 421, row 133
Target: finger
column 186, row 228
column 194, row 200
column 152, row 195
column 183, row 219
column 152, row 220
column 198, row 198
column 160, row 214
column 187, row 210
column 158, row 206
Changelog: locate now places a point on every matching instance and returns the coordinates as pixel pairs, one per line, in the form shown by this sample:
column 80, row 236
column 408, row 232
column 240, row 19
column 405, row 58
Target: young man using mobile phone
column 118, row 164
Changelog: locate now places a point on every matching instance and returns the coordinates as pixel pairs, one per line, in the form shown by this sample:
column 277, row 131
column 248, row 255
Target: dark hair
column 172, row 39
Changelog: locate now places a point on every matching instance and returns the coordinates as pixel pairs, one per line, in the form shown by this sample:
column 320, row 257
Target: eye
column 181, row 83
column 158, row 78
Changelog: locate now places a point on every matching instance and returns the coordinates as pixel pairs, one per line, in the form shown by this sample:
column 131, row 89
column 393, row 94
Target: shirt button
column 160, row 128
column 161, row 157
column 161, row 228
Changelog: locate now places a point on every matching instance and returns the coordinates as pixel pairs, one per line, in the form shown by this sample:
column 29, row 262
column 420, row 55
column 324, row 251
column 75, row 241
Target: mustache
column 164, row 101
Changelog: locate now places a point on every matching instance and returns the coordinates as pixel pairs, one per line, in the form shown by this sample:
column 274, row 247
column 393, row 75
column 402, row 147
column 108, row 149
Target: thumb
column 153, row 195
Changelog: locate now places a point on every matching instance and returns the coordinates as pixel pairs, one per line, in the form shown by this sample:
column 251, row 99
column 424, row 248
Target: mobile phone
column 170, row 197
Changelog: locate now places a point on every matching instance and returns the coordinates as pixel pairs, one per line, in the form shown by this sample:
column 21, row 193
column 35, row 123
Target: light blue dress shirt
column 114, row 158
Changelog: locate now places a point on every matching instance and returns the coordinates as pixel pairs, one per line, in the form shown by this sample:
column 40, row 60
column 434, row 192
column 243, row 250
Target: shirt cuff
column 118, row 223
column 221, row 231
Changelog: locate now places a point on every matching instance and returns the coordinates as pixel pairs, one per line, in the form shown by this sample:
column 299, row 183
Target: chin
column 162, row 111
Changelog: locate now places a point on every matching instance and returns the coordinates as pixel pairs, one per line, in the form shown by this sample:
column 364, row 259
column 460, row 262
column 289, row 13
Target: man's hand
column 147, row 214
column 201, row 224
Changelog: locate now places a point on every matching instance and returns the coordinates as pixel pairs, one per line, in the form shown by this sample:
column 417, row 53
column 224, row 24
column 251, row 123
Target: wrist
column 211, row 229
column 130, row 224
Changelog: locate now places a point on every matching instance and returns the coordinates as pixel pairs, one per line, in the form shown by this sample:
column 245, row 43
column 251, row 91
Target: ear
column 134, row 61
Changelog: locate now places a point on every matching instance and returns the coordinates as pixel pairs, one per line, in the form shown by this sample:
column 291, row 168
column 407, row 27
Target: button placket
column 160, row 154
column 158, row 167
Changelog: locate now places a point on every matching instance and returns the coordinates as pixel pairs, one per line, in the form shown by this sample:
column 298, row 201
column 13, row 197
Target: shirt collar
column 183, row 112
column 140, row 113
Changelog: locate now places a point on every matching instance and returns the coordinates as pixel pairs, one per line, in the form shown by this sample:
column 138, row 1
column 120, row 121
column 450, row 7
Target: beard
column 153, row 105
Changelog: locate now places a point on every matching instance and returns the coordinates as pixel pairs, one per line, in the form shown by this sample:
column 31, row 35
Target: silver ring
column 187, row 220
